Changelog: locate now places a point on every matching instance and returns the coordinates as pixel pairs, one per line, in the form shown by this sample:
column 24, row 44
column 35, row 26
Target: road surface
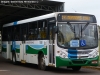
column 7, row 68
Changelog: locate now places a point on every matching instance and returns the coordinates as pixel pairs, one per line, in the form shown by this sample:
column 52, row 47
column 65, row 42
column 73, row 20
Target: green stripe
column 34, row 51
column 17, row 50
column 4, row 49
column 68, row 62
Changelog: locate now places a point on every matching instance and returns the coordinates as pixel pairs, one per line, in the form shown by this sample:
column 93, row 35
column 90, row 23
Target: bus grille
column 79, row 51
column 84, row 52
column 79, row 61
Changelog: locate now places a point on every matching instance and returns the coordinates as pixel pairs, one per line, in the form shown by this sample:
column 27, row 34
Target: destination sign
column 75, row 18
column 69, row 17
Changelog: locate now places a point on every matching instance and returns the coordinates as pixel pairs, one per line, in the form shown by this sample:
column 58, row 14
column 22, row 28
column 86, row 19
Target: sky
column 85, row 6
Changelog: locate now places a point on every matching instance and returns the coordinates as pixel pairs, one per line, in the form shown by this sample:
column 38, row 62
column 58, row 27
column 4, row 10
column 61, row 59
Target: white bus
column 57, row 39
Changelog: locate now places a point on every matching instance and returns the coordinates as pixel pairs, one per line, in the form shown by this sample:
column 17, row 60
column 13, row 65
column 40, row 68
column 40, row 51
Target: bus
column 58, row 39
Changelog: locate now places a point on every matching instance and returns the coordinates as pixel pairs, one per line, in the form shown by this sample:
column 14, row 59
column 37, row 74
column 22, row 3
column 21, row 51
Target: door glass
column 24, row 32
column 51, row 45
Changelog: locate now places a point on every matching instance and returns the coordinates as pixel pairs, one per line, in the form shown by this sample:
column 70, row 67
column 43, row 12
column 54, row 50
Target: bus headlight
column 63, row 54
column 93, row 55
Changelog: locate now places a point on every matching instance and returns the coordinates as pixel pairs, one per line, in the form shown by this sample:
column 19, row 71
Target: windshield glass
column 77, row 32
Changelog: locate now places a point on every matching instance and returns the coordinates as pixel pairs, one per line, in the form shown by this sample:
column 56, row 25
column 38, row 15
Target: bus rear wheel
column 42, row 65
column 76, row 68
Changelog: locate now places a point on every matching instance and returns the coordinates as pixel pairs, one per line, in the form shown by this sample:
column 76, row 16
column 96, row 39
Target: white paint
column 40, row 18
column 32, row 19
column 4, row 54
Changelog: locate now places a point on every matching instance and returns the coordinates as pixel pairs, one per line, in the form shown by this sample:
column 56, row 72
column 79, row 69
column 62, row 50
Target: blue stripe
column 37, row 46
column 72, row 53
column 18, row 46
column 4, row 46
column 26, row 47
column 15, row 23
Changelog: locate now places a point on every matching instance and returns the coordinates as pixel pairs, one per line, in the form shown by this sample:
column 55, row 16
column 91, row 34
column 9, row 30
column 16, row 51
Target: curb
column 91, row 67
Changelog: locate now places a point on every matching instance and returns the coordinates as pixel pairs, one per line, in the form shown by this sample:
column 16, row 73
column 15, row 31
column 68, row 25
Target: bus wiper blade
column 85, row 27
column 73, row 29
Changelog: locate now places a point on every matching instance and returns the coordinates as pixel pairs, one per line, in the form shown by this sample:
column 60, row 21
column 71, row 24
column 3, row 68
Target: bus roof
column 39, row 18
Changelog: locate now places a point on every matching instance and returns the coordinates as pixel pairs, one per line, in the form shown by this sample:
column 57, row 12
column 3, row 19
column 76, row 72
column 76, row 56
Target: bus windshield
column 68, row 32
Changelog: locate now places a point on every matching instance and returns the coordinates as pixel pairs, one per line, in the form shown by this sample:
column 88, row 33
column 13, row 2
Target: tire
column 41, row 61
column 76, row 68
column 14, row 58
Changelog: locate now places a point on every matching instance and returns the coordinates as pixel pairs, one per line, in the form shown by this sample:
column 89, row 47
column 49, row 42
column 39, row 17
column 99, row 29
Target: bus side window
column 10, row 33
column 42, row 29
column 23, row 31
column 32, row 34
column 51, row 31
column 39, row 33
column 16, row 33
column 5, row 34
column 43, row 33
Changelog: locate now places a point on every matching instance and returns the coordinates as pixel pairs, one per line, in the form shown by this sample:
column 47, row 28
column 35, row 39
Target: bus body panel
column 66, row 57
column 32, row 48
column 4, row 49
column 28, row 50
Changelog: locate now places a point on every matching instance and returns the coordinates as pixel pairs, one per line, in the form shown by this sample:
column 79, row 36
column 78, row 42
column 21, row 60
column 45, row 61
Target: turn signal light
column 94, row 62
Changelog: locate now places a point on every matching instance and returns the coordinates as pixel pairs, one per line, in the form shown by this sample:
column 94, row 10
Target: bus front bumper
column 77, row 62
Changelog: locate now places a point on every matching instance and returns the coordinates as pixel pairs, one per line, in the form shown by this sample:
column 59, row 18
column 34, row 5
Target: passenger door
column 51, row 43
column 23, row 29
column 16, row 41
column 9, row 35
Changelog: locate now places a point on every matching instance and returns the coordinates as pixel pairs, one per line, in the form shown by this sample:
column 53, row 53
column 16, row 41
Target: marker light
column 94, row 62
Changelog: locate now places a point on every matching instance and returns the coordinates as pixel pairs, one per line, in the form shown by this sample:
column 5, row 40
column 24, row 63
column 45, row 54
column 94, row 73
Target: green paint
column 17, row 50
column 68, row 62
column 34, row 51
column 4, row 49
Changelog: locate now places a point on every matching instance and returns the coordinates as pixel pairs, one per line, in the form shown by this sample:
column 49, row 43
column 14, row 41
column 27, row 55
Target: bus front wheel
column 42, row 65
column 76, row 68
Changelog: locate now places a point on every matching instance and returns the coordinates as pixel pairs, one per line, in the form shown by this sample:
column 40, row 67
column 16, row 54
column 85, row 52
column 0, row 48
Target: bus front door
column 51, row 44
column 9, row 30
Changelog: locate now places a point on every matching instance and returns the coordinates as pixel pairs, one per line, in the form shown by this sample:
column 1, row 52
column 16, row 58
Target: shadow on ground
column 50, row 69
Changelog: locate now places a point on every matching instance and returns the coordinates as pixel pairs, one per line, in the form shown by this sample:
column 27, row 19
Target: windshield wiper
column 82, row 29
column 73, row 29
column 85, row 27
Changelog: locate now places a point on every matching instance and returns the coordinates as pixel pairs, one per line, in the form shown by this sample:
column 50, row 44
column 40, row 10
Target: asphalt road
column 7, row 68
